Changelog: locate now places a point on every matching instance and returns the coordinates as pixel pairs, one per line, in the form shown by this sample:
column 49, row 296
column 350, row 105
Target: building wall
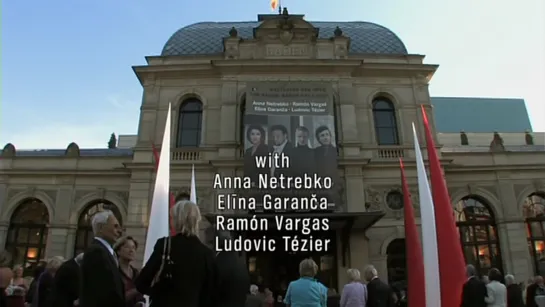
column 67, row 183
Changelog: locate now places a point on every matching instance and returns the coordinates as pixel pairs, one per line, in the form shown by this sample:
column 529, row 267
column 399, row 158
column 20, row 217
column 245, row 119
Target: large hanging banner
column 290, row 154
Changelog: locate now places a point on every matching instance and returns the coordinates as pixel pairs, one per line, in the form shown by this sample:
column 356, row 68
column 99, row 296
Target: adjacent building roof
column 207, row 37
column 480, row 115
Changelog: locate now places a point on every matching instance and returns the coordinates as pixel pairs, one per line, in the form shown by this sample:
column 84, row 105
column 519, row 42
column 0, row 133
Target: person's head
column 279, row 134
column 509, row 279
column 370, row 273
column 79, row 258
column 125, row 247
column 538, row 280
column 255, row 134
column 254, row 290
column 39, row 269
column 485, row 279
column 54, row 264
column 308, row 268
column 301, row 134
column 106, row 226
column 353, row 274
column 471, row 271
column 186, row 216
column 268, row 292
column 17, row 271
column 222, row 236
column 323, row 135
column 494, row 274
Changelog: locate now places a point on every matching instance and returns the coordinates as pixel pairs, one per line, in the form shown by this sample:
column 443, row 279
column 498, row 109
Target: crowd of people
column 184, row 271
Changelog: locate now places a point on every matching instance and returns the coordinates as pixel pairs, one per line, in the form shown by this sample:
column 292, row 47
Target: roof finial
column 279, row 7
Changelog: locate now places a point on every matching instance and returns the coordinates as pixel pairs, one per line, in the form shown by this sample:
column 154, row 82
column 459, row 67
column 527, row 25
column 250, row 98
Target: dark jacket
column 66, row 284
column 101, row 284
column 473, row 293
column 233, row 280
column 514, row 296
column 45, row 286
column 193, row 274
column 379, row 294
column 531, row 292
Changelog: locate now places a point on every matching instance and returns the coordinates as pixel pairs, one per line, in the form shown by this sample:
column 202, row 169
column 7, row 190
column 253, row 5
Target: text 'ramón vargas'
column 266, row 181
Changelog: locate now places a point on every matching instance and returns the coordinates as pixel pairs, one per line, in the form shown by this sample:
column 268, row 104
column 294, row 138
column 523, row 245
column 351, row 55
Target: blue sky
column 66, row 65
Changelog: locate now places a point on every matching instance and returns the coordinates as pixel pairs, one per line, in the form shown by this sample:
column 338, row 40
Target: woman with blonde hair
column 181, row 271
column 355, row 292
column 46, row 281
column 306, row 291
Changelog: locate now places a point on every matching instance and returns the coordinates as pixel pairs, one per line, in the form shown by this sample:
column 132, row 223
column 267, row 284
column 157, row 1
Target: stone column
column 3, row 233
column 138, row 210
column 355, row 190
column 511, row 230
column 70, row 241
column 56, row 241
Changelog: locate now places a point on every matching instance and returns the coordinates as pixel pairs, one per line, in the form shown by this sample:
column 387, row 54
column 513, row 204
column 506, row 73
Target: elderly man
column 379, row 294
column 474, row 290
column 254, row 299
column 101, row 283
column 514, row 292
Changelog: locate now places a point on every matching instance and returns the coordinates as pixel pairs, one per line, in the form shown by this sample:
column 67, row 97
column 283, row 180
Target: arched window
column 385, row 122
column 190, row 123
column 478, row 234
column 84, row 232
column 534, row 213
column 396, row 261
column 27, row 233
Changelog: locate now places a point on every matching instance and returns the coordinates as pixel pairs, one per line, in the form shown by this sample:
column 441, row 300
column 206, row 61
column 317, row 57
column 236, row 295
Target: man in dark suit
column 233, row 280
column 102, row 285
column 281, row 147
column 532, row 291
column 66, row 283
column 514, row 292
column 379, row 294
column 474, row 290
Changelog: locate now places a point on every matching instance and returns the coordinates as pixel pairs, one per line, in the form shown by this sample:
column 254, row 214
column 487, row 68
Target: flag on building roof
column 451, row 258
column 416, row 292
column 429, row 235
column 274, row 4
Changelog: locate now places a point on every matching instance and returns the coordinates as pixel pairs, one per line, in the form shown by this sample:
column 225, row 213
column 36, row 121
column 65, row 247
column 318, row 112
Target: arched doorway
column 27, row 233
column 84, row 232
column 396, row 262
column 478, row 234
column 534, row 214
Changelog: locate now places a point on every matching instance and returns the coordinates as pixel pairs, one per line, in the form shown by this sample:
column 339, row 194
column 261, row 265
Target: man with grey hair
column 254, row 299
column 102, row 285
column 514, row 292
column 379, row 294
column 474, row 290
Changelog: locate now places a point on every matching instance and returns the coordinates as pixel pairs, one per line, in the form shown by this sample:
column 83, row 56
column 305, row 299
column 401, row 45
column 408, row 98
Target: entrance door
column 275, row 270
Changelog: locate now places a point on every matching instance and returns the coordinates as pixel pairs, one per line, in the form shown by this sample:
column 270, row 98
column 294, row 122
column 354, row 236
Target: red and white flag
column 416, row 292
column 451, row 258
column 429, row 235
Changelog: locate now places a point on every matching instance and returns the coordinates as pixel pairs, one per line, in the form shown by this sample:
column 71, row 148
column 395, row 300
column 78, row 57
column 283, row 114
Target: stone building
column 497, row 184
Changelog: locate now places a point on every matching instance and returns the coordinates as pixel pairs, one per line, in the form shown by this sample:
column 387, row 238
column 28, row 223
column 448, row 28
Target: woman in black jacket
column 189, row 278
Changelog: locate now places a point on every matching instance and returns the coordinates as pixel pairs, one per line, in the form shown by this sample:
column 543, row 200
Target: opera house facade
column 375, row 87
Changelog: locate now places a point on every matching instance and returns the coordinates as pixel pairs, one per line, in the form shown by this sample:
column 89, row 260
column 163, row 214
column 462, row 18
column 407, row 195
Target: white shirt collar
column 107, row 245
